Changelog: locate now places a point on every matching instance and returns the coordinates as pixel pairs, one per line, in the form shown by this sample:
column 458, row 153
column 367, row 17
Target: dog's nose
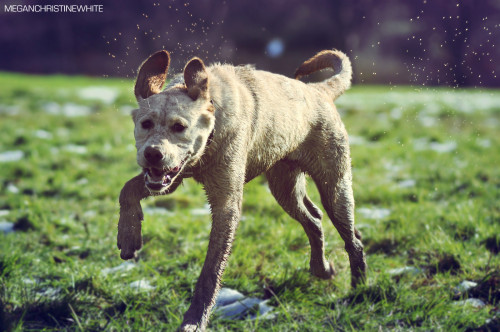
column 153, row 155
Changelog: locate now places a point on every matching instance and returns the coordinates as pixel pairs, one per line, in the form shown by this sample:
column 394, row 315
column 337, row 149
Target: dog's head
column 172, row 127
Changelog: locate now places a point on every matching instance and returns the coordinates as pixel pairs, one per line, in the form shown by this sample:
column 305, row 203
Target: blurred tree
column 446, row 42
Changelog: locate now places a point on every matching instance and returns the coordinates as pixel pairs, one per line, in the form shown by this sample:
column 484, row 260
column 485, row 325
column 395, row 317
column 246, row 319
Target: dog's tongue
column 158, row 177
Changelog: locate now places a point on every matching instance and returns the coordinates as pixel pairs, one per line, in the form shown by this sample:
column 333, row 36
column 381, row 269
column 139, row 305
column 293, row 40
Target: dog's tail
column 334, row 59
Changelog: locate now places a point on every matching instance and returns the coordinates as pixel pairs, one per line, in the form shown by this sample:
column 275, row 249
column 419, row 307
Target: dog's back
column 276, row 117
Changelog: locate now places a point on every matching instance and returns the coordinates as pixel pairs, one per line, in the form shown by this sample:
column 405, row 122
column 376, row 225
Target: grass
column 426, row 183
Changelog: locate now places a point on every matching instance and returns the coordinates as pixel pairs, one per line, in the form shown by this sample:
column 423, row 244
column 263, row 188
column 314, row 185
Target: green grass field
column 426, row 182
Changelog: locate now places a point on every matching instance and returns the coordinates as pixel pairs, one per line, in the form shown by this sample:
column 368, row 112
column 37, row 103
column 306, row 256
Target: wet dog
column 224, row 125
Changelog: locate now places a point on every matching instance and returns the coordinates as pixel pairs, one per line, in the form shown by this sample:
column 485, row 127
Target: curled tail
column 334, row 59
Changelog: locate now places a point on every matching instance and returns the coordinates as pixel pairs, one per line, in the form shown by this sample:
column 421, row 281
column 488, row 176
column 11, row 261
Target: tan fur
column 225, row 125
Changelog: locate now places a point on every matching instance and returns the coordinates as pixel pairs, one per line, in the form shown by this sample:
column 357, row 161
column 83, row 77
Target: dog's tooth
column 167, row 179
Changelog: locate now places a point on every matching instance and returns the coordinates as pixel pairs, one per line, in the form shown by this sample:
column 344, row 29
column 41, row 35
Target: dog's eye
column 178, row 127
column 147, row 124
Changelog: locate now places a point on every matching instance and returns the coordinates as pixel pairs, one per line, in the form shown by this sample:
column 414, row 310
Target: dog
column 224, row 125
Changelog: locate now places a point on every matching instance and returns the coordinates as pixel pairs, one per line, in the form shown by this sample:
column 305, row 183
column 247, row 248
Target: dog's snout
column 153, row 155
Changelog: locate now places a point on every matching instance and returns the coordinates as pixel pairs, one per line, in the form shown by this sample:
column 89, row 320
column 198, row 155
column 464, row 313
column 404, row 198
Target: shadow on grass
column 384, row 290
column 54, row 313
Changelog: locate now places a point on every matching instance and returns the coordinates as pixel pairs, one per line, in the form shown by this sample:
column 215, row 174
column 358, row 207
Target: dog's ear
column 152, row 75
column 196, row 79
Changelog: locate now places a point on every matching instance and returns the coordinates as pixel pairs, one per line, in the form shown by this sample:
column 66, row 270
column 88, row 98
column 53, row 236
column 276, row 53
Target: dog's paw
column 129, row 238
column 323, row 271
column 128, row 247
column 189, row 328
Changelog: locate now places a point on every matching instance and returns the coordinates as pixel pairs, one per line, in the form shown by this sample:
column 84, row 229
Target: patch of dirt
column 445, row 263
column 487, row 289
column 24, row 224
column 493, row 244
column 434, row 262
column 464, row 233
column 388, row 246
column 491, row 325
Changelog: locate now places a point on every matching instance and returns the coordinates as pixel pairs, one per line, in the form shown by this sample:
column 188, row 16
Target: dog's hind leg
column 338, row 201
column 288, row 185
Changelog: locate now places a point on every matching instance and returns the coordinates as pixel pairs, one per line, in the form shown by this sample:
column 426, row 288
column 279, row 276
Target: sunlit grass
column 426, row 183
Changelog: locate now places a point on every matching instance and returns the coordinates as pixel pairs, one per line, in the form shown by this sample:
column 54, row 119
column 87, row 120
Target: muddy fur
column 225, row 125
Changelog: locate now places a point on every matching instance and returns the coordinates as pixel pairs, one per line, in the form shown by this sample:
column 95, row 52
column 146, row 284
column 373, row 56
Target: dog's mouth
column 158, row 179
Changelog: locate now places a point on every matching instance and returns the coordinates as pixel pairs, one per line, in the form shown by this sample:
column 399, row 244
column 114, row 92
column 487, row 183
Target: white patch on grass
column 74, row 110
column 374, row 212
column 484, row 143
column 445, row 147
column 231, row 304
column 10, row 156
column 104, row 94
column 4, row 213
column 430, row 101
column 204, row 211
column 393, row 168
column 141, row 285
column 52, row 108
column 50, row 293
column 357, row 140
column 465, row 285
column 227, row 296
column 126, row 109
column 406, row 270
column 426, row 120
column 77, row 149
column 473, row 302
column 28, row 281
column 396, row 113
column 9, row 109
column 122, row 268
column 43, row 134
column 11, row 188
column 90, row 214
column 422, row 144
column 492, row 123
column 153, row 210
column 63, row 132
column 408, row 183
column 6, row 227
column 82, row 181
column 68, row 109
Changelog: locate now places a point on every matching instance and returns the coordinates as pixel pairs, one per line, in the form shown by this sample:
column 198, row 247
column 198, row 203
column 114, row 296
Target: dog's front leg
column 226, row 212
column 129, row 238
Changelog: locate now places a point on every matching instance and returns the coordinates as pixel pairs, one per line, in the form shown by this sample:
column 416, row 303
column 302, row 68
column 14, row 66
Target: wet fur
column 242, row 122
